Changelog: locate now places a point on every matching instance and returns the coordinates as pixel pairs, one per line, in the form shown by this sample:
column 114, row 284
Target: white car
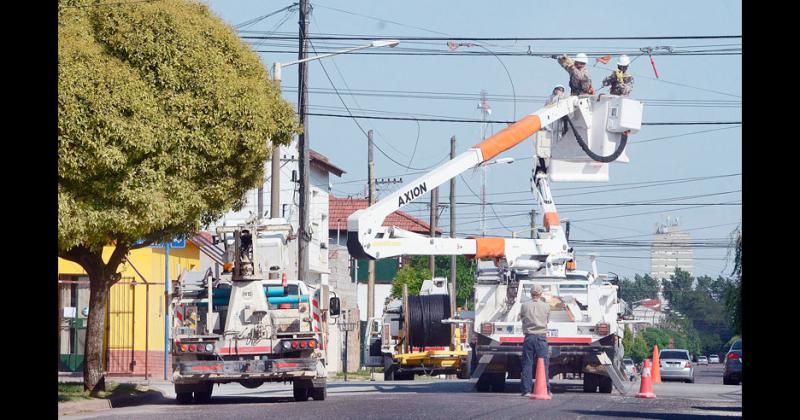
column 713, row 358
column 702, row 360
column 630, row 367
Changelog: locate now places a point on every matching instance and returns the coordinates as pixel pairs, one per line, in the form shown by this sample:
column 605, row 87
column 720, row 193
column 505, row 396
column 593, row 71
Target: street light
column 276, row 162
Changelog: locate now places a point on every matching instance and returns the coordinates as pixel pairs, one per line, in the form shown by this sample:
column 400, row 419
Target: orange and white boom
column 367, row 238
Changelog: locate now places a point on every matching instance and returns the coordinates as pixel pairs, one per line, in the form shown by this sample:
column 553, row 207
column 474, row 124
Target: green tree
column 627, row 341
column 419, row 271
column 733, row 295
column 639, row 348
column 164, row 118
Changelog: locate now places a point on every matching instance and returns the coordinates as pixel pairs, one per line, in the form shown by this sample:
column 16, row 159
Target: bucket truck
column 251, row 324
column 581, row 136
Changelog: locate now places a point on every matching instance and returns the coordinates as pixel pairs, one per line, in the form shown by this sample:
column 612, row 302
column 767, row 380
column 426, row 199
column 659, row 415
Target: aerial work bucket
column 579, row 147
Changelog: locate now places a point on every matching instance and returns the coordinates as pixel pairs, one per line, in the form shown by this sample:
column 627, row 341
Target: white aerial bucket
column 601, row 124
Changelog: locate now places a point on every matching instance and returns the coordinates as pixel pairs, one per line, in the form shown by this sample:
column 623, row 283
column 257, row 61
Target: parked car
column 713, row 359
column 702, row 360
column 676, row 364
column 630, row 367
column 732, row 369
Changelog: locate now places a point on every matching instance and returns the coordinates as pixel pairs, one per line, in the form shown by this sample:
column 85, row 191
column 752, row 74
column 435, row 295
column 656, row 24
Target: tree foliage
column 417, row 271
column 164, row 119
column 642, row 287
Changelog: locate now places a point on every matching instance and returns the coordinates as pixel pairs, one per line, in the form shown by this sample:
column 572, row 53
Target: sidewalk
column 154, row 394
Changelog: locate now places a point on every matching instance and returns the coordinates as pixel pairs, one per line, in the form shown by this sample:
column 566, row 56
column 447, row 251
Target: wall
column 382, row 291
column 143, row 329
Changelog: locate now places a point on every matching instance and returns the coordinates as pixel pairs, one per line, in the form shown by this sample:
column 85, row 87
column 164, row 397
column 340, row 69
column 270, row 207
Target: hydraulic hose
column 425, row 315
column 604, row 159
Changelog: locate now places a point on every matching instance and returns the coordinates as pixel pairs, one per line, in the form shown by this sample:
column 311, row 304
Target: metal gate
column 120, row 323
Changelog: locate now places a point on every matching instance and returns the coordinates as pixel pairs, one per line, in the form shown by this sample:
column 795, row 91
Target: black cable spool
column 425, row 315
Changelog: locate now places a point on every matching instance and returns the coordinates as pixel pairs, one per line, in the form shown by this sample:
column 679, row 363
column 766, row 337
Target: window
column 672, row 354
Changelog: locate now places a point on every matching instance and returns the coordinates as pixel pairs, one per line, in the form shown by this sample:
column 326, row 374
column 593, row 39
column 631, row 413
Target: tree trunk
column 101, row 277
column 93, row 375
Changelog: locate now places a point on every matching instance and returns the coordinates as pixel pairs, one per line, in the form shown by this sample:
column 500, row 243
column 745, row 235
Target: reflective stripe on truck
column 553, row 340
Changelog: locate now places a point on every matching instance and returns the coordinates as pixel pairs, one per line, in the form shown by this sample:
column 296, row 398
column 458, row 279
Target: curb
column 74, row 407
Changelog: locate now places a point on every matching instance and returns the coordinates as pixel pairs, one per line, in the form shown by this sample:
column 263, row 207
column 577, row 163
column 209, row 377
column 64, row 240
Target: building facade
column 671, row 248
column 134, row 339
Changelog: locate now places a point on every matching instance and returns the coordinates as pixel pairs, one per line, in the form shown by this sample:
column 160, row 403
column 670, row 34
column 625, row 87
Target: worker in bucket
column 535, row 314
column 558, row 94
column 580, row 83
column 621, row 82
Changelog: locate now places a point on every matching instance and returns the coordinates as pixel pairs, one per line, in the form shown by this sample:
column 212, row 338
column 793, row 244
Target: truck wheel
column 388, row 369
column 300, row 394
column 465, row 370
column 202, row 397
column 605, row 385
column 499, row 382
column 319, row 394
column 484, row 382
column 590, row 382
column 183, row 397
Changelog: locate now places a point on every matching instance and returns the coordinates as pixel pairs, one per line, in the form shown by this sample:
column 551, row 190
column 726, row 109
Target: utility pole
column 453, row 215
column 303, row 146
column 486, row 110
column 434, row 210
column 533, row 224
column 371, row 263
column 275, row 174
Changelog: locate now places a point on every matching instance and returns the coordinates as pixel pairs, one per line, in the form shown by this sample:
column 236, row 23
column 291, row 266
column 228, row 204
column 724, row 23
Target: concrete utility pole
column 434, row 209
column 533, row 224
column 275, row 174
column 453, row 214
column 303, row 146
column 371, row 263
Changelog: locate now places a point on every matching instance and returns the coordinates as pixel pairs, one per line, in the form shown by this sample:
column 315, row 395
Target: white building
column 671, row 248
column 319, row 191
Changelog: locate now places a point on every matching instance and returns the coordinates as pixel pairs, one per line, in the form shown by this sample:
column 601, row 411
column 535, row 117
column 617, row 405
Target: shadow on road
column 640, row 415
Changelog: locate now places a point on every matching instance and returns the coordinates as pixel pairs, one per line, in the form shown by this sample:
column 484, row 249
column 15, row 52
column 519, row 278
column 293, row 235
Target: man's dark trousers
column 533, row 347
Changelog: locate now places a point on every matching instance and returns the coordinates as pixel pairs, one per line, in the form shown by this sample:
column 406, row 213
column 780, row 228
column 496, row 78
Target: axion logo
column 412, row 193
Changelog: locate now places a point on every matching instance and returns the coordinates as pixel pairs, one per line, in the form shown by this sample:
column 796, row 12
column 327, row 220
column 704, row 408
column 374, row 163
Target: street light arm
column 276, row 68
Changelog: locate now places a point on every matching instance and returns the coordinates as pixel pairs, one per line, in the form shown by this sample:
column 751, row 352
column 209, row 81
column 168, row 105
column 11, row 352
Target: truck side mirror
column 334, row 306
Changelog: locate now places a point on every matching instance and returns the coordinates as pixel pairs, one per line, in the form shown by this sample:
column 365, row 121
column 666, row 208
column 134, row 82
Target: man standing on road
column 535, row 314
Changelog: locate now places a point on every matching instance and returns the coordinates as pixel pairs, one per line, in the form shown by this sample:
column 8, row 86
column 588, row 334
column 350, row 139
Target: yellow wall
column 150, row 263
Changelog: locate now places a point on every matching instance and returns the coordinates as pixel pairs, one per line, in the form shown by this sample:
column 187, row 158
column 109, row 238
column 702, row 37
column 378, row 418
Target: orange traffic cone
column 656, row 366
column 646, row 388
column 540, row 389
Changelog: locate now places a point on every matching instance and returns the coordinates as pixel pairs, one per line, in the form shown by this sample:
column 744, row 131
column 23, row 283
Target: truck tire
column 202, row 397
column 319, row 394
column 300, row 394
column 388, row 369
column 465, row 370
column 183, row 397
column 590, row 382
column 484, row 382
column 605, row 384
column 499, row 382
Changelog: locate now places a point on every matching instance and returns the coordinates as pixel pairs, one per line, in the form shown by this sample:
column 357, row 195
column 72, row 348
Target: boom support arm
column 367, row 238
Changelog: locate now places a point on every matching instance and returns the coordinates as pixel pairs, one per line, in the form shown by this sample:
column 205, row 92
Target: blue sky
column 708, row 88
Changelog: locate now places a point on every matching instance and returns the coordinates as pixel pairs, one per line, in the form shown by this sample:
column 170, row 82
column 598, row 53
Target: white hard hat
column 559, row 86
column 623, row 60
column 581, row 58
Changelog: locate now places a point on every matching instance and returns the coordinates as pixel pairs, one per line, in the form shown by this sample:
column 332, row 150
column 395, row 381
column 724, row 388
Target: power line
column 514, row 39
column 502, row 122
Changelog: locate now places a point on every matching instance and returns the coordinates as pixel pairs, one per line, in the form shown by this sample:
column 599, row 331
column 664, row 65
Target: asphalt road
column 706, row 399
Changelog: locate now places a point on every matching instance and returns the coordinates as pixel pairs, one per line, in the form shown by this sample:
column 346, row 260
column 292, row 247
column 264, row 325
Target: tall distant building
column 671, row 248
